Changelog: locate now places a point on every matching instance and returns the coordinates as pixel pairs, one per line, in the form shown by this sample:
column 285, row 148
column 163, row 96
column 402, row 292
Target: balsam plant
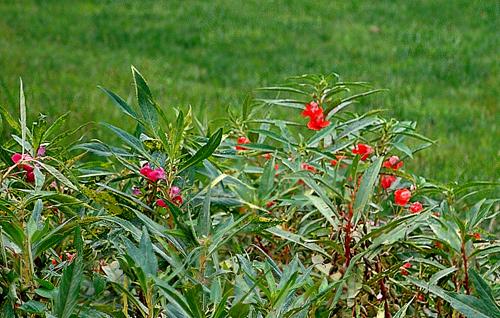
column 295, row 207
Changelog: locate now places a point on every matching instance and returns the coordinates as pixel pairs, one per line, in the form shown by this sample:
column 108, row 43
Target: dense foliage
column 309, row 216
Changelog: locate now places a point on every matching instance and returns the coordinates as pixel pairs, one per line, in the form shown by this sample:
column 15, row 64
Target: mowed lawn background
column 439, row 59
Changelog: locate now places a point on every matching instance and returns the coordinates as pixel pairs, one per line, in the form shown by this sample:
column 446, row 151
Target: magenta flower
column 152, row 174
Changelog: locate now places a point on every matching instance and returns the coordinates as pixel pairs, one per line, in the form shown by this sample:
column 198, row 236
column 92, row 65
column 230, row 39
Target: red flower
column 404, row 268
column 421, row 297
column 393, row 163
column 160, row 202
column 416, row 207
column 270, row 204
column 241, row 141
column 267, row 156
column 476, row 236
column 334, row 162
column 153, row 175
column 402, row 196
column 177, row 200
column 318, row 122
column 386, row 181
column 312, row 110
column 54, row 262
column 316, row 117
column 30, row 177
column 363, row 150
column 17, row 157
column 308, row 167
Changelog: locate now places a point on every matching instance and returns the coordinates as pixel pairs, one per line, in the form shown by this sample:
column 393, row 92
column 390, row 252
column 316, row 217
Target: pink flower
column 156, row 174
column 136, row 191
column 41, row 151
column 393, row 163
column 17, row 157
column 174, row 191
column 416, row 207
column 70, row 256
column 153, row 175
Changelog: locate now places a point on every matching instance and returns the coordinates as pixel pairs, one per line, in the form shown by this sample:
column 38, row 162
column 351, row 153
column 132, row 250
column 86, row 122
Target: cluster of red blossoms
column 30, row 175
column 175, row 196
column 316, row 117
column 404, row 268
column 362, row 150
column 69, row 258
column 152, row 174
column 393, row 163
column 242, row 141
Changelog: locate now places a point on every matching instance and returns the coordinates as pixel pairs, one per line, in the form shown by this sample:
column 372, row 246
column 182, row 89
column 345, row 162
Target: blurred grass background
column 438, row 58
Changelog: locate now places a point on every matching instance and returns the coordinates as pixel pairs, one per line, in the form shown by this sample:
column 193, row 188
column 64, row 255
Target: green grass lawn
column 438, row 58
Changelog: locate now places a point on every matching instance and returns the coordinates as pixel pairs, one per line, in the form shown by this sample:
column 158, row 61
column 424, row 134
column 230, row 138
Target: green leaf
column 296, row 238
column 122, row 105
column 357, row 125
column 365, row 191
column 69, row 290
column 143, row 256
column 402, row 312
column 323, row 208
column 175, row 298
column 205, row 151
column 8, row 120
column 403, row 148
column 483, row 291
column 58, row 175
column 204, row 221
column 34, row 222
column 33, row 307
column 145, row 100
column 267, row 179
column 129, row 139
column 282, row 89
column 470, row 306
column 440, row 274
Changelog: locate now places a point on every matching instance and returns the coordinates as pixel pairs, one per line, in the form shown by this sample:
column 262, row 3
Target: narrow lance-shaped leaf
column 69, row 290
column 145, row 100
column 22, row 112
column 365, row 190
column 122, row 105
column 470, row 306
column 205, row 151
